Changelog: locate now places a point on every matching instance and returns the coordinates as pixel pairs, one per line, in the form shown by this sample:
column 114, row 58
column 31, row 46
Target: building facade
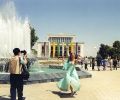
column 59, row 46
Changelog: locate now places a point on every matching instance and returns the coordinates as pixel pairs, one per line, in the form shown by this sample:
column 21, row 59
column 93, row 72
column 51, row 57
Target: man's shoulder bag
column 25, row 73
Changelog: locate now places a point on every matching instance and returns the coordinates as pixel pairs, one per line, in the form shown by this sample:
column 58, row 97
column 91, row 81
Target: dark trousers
column 115, row 67
column 93, row 65
column 16, row 82
column 86, row 67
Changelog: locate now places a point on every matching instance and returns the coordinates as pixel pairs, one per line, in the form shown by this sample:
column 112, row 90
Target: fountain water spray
column 14, row 32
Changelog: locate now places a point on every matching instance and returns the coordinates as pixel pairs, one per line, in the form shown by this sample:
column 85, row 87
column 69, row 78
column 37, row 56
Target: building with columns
column 60, row 45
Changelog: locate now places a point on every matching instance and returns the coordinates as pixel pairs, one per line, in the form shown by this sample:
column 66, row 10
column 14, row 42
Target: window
column 65, row 51
column 60, row 50
column 56, row 51
column 43, row 49
column 51, row 51
column 69, row 49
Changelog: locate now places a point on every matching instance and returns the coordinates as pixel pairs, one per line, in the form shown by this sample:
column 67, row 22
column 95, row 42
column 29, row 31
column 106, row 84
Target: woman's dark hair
column 16, row 51
column 71, row 57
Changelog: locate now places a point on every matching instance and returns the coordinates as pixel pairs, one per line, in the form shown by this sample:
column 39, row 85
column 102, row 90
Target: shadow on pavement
column 63, row 95
column 4, row 98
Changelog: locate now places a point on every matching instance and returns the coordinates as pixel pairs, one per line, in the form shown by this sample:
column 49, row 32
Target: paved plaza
column 104, row 85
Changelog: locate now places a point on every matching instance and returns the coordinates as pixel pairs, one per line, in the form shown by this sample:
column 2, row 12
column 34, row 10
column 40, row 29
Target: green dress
column 70, row 79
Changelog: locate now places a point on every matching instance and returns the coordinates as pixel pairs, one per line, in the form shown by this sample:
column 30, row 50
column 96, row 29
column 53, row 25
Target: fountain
column 40, row 73
column 14, row 32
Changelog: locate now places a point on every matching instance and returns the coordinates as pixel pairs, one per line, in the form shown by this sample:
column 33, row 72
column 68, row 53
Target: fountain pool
column 43, row 74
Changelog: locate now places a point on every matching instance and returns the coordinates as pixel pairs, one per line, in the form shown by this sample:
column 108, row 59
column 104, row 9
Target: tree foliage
column 106, row 50
column 116, row 44
column 116, row 47
column 34, row 37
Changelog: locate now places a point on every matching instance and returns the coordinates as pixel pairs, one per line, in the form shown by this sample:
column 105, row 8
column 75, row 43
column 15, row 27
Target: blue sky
column 93, row 21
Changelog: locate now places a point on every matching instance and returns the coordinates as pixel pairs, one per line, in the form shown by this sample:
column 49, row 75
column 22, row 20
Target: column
column 51, row 39
column 60, row 40
column 58, row 49
column 72, row 48
column 67, row 46
column 49, row 45
column 63, row 49
column 53, row 49
column 55, row 39
column 39, row 48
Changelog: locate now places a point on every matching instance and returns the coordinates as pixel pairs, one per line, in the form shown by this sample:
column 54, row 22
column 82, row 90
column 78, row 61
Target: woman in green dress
column 71, row 80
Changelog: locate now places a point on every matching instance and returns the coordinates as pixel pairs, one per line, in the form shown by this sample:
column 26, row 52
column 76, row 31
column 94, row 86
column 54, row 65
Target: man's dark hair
column 16, row 51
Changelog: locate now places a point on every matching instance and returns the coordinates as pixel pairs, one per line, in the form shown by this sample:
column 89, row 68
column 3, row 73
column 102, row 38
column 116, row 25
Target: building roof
column 61, row 35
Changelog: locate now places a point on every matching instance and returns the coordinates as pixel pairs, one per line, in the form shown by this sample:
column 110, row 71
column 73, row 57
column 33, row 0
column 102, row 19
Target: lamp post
column 96, row 49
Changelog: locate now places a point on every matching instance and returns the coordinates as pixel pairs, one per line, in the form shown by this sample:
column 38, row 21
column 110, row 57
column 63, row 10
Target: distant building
column 59, row 46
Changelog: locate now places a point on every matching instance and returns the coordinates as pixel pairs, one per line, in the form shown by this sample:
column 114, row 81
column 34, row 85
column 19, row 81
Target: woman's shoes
column 73, row 93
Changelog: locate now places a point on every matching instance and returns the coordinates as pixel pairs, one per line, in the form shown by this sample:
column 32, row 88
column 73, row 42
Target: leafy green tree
column 116, row 49
column 34, row 37
column 113, row 51
column 116, row 44
column 104, row 51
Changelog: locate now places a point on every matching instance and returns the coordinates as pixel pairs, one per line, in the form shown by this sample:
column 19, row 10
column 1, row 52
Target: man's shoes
column 72, row 94
column 23, row 98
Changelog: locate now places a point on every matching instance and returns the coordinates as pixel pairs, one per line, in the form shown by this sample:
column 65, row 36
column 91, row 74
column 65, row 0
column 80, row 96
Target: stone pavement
column 104, row 85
